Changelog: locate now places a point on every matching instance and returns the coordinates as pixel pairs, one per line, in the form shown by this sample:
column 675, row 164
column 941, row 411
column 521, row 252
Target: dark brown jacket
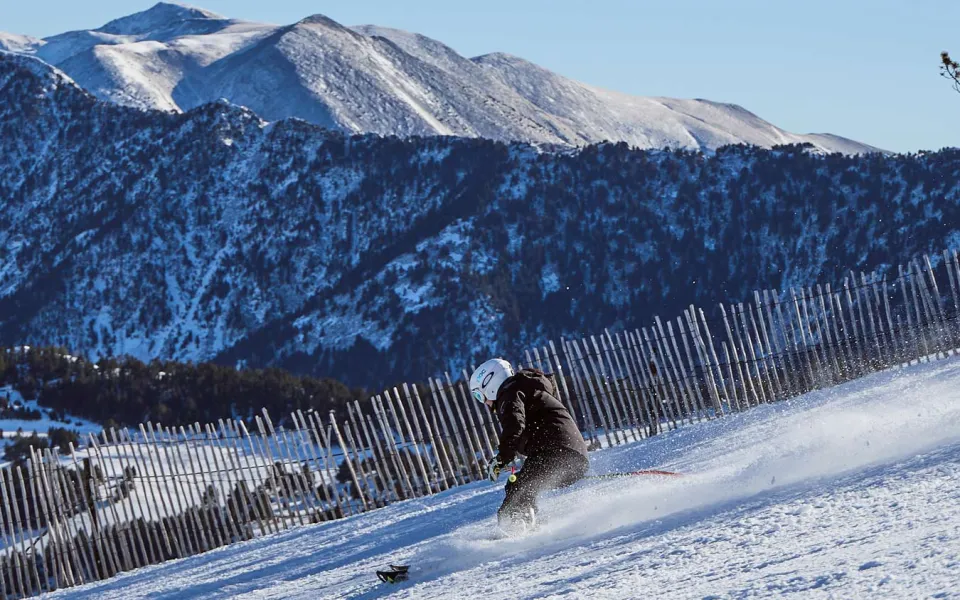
column 534, row 422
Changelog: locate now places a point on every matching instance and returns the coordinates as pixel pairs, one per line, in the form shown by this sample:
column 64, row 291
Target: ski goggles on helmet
column 478, row 396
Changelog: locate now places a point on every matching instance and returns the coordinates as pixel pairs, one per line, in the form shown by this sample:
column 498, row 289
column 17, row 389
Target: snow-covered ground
column 852, row 492
column 41, row 426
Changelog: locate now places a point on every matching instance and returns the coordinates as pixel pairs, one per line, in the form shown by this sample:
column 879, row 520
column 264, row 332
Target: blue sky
column 864, row 70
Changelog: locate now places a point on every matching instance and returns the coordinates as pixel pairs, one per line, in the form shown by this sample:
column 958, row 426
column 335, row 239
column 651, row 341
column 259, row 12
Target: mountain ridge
column 370, row 79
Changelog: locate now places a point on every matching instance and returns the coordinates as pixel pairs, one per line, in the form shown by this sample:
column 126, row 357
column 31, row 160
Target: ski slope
column 851, row 492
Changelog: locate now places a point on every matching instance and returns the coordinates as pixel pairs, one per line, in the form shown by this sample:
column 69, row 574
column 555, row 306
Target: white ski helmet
column 487, row 379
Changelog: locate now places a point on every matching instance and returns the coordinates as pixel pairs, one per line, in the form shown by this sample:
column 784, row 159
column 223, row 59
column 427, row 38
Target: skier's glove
column 493, row 468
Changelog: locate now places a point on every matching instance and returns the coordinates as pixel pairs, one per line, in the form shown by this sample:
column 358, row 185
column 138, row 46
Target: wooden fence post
column 344, row 505
column 731, row 383
column 919, row 333
column 612, row 390
column 69, row 552
column 750, row 352
column 250, row 475
column 197, row 484
column 391, row 443
column 438, row 451
column 653, row 358
column 404, row 453
column 422, row 443
column 36, row 556
column 787, row 365
column 14, row 539
column 78, row 533
column 605, row 417
column 617, row 381
column 168, row 515
column 449, row 442
column 777, row 391
column 124, row 541
column 949, row 264
column 383, row 463
column 56, row 543
column 664, row 343
column 187, row 487
column 825, row 335
column 580, row 389
column 382, row 489
column 801, row 330
column 281, row 485
column 631, row 389
column 470, row 451
column 658, row 355
column 146, row 547
column 708, row 358
column 48, row 553
column 329, row 464
column 370, row 482
column 353, row 458
column 933, row 292
column 313, row 454
column 637, row 398
column 480, row 413
column 747, row 384
column 165, row 549
column 347, row 461
column 238, row 509
column 466, row 405
column 198, row 480
column 557, row 368
column 215, row 457
column 85, row 477
column 650, row 394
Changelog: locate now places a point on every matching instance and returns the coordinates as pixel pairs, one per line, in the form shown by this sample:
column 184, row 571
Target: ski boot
column 518, row 523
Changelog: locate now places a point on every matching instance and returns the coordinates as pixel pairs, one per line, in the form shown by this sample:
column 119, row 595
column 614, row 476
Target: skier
column 536, row 425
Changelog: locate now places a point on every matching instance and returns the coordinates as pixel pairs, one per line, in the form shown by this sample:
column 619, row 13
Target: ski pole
column 634, row 473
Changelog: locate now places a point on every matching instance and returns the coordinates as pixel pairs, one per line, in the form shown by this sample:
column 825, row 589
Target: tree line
column 125, row 391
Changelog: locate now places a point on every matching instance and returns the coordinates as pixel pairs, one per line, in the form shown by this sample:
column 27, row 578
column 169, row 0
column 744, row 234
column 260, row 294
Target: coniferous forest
column 125, row 391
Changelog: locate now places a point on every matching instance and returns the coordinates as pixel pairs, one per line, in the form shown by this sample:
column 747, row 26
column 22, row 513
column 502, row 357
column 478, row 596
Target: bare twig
column 950, row 69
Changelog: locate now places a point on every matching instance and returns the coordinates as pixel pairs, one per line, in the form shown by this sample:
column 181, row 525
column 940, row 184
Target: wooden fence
column 130, row 498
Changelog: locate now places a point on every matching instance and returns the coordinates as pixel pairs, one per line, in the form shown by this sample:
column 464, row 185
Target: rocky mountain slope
column 213, row 234
column 377, row 80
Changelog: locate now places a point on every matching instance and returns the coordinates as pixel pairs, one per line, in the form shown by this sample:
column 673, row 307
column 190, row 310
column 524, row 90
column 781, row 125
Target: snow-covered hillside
column 852, row 492
column 14, row 426
column 214, row 235
column 371, row 79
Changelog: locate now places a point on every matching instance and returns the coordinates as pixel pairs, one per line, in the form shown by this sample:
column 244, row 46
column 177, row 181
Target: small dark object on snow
column 396, row 574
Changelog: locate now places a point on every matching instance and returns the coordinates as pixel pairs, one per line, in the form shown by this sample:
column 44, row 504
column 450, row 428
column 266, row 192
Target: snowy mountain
column 849, row 492
column 215, row 235
column 372, row 79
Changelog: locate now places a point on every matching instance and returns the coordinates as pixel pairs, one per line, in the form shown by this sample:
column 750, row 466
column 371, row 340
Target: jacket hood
column 529, row 381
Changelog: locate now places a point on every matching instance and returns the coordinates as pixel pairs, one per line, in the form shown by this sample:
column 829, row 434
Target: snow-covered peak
column 20, row 44
column 162, row 14
column 322, row 20
column 371, row 79
column 505, row 59
column 51, row 77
